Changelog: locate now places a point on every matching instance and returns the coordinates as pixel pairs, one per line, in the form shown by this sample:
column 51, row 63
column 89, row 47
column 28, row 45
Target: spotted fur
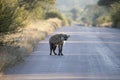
column 57, row 40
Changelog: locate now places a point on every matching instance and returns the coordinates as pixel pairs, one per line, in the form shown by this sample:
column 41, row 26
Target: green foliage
column 13, row 13
column 37, row 8
column 115, row 14
column 30, row 5
column 114, row 9
column 11, row 17
column 73, row 9
column 52, row 2
column 37, row 13
column 107, row 3
column 69, row 22
column 91, row 13
column 75, row 13
column 65, row 21
column 70, row 4
column 57, row 14
column 103, row 19
column 53, row 14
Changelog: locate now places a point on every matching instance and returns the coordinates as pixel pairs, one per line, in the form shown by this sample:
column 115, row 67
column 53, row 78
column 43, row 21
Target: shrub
column 11, row 16
column 57, row 14
column 37, row 13
column 53, row 14
column 115, row 14
column 103, row 19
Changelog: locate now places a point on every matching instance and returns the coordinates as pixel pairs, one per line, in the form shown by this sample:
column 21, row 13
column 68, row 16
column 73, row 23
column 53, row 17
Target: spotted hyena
column 57, row 40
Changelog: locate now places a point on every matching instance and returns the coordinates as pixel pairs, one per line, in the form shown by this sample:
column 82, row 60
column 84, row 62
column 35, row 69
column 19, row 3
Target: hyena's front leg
column 60, row 49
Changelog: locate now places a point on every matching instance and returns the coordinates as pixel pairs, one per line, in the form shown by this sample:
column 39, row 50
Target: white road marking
column 105, row 42
column 58, row 76
column 88, row 32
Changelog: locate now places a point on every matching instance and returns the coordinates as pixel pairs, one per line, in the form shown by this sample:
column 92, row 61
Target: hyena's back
column 56, row 39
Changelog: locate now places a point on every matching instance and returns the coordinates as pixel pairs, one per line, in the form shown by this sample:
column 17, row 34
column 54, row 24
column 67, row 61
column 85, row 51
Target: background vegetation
column 77, row 11
column 101, row 13
column 113, row 7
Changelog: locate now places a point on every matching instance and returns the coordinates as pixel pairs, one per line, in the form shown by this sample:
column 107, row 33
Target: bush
column 57, row 14
column 103, row 19
column 11, row 17
column 115, row 14
column 53, row 14
column 70, row 22
column 37, row 13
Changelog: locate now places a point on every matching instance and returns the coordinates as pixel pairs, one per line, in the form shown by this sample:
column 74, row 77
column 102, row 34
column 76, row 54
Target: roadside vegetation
column 104, row 14
column 23, row 23
column 100, row 13
column 113, row 8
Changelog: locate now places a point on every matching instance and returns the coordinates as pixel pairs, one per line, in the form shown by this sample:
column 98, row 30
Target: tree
column 75, row 13
column 91, row 13
column 11, row 16
column 115, row 14
column 32, row 4
column 14, row 12
column 114, row 10
column 107, row 3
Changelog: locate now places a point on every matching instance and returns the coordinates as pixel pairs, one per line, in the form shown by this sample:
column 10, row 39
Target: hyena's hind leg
column 52, row 48
column 60, row 47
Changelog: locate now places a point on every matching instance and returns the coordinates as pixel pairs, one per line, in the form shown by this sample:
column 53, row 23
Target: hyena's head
column 64, row 37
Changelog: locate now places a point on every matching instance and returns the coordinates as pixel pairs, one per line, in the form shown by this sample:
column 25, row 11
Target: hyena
column 57, row 40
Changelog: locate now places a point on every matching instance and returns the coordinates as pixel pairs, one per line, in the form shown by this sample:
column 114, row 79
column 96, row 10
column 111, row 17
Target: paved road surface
column 89, row 54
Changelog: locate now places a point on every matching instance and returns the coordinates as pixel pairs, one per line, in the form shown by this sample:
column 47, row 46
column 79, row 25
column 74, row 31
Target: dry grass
column 109, row 24
column 20, row 44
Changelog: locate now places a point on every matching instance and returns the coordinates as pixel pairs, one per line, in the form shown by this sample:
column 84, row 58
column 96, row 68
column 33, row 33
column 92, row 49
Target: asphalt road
column 89, row 54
